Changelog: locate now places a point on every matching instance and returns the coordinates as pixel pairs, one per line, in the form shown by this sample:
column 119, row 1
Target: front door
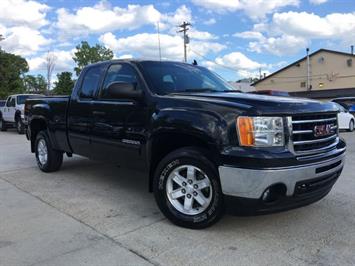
column 118, row 133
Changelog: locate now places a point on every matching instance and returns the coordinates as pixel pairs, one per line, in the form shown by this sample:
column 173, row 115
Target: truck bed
column 54, row 110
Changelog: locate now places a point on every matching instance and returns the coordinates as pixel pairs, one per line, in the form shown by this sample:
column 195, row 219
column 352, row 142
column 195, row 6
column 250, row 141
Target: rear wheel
column 187, row 189
column 20, row 127
column 351, row 126
column 2, row 125
column 48, row 159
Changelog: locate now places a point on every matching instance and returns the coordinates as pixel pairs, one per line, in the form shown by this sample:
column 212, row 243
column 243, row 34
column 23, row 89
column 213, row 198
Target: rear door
column 80, row 119
column 118, row 133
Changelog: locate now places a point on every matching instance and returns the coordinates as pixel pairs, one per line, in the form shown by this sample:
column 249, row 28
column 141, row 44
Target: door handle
column 98, row 113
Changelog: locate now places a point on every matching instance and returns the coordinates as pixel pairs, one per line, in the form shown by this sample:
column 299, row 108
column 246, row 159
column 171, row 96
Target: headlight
column 260, row 131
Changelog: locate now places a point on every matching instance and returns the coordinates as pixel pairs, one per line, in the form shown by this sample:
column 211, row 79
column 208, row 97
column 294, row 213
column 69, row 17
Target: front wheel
column 351, row 126
column 2, row 125
column 48, row 159
column 187, row 189
column 20, row 127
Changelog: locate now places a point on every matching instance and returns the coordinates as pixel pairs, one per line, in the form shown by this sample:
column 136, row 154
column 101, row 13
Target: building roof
column 300, row 60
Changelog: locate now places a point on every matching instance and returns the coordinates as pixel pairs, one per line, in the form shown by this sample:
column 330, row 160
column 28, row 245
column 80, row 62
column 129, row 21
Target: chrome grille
column 304, row 137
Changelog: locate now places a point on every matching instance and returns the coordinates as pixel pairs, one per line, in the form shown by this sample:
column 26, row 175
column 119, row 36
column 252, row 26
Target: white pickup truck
column 12, row 114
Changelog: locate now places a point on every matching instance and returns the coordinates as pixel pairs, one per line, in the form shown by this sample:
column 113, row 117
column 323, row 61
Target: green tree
column 86, row 54
column 12, row 69
column 35, row 84
column 65, row 83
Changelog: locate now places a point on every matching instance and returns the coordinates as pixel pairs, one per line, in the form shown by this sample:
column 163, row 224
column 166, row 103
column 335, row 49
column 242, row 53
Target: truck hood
column 261, row 104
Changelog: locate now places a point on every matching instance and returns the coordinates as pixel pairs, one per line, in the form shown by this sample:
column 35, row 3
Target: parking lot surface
column 90, row 213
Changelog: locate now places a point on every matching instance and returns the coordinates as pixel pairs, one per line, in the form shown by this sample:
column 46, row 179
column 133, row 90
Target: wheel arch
column 164, row 143
column 17, row 115
column 36, row 125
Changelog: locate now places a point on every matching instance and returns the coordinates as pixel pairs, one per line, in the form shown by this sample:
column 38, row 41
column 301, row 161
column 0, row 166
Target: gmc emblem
column 322, row 130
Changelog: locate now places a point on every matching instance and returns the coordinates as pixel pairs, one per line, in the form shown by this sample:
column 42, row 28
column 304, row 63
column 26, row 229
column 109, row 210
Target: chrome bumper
column 249, row 183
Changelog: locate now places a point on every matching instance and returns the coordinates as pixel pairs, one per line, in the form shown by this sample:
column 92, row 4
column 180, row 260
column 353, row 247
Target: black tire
column 54, row 158
column 195, row 158
column 351, row 126
column 20, row 127
column 2, row 125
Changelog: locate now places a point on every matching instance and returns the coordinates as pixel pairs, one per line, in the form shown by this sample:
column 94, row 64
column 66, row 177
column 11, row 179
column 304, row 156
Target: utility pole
column 184, row 29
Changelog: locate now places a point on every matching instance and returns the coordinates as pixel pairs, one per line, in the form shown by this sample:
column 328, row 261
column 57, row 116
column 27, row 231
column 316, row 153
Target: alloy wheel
column 42, row 151
column 189, row 190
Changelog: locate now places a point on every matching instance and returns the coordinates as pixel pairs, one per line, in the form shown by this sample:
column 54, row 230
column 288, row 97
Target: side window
column 8, row 103
column 90, row 82
column 119, row 73
column 11, row 102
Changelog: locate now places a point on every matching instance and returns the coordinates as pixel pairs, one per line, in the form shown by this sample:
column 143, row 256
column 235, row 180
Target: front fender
column 207, row 126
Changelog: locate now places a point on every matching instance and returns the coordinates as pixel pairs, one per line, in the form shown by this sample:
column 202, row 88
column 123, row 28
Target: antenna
column 159, row 40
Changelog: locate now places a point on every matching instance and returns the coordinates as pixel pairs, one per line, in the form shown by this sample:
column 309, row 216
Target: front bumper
column 303, row 184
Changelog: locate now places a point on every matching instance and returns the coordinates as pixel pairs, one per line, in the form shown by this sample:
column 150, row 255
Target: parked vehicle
column 203, row 146
column 345, row 119
column 347, row 102
column 12, row 113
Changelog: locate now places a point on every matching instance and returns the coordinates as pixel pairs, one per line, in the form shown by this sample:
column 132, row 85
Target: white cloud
column 290, row 32
column 22, row 40
column 334, row 25
column 171, row 20
column 25, row 13
column 318, row 2
column 238, row 61
column 255, row 9
column 63, row 61
column 201, row 35
column 102, row 17
column 283, row 45
column 210, row 21
column 146, row 45
column 125, row 56
column 249, row 35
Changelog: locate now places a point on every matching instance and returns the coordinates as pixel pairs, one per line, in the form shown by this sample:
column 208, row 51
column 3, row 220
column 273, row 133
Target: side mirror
column 123, row 90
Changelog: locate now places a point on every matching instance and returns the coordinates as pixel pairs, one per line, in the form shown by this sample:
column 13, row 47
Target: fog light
column 266, row 195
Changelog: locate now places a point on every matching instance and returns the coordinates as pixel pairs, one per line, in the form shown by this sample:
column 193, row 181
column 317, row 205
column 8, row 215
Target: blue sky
column 235, row 38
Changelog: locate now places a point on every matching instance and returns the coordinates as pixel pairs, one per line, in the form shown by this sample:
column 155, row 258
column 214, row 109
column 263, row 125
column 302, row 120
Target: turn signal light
column 246, row 128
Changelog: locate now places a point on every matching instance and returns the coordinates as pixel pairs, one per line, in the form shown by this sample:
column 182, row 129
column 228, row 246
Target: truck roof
column 133, row 60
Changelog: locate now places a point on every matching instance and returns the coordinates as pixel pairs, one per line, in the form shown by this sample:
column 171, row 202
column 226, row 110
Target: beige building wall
column 327, row 71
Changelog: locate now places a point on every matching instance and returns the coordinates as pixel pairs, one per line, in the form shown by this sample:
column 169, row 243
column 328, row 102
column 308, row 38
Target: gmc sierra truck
column 12, row 112
column 205, row 147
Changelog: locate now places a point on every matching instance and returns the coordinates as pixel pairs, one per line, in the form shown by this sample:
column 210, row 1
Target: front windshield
column 22, row 98
column 174, row 77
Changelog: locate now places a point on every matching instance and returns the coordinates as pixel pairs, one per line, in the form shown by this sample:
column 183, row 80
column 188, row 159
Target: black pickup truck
column 205, row 147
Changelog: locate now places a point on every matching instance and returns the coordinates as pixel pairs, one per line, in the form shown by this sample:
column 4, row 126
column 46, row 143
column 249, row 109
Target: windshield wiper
column 233, row 91
column 198, row 90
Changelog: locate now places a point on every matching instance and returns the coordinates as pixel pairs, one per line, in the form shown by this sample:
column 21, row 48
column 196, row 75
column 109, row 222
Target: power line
column 208, row 59
column 287, row 77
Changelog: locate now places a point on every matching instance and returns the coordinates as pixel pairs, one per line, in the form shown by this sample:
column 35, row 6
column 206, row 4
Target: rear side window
column 124, row 73
column 90, row 82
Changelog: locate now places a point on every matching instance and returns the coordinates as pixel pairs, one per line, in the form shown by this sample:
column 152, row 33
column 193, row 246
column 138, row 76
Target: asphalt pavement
column 91, row 213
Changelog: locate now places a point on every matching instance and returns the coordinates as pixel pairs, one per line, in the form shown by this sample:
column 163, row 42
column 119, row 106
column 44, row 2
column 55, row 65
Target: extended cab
column 12, row 113
column 203, row 146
